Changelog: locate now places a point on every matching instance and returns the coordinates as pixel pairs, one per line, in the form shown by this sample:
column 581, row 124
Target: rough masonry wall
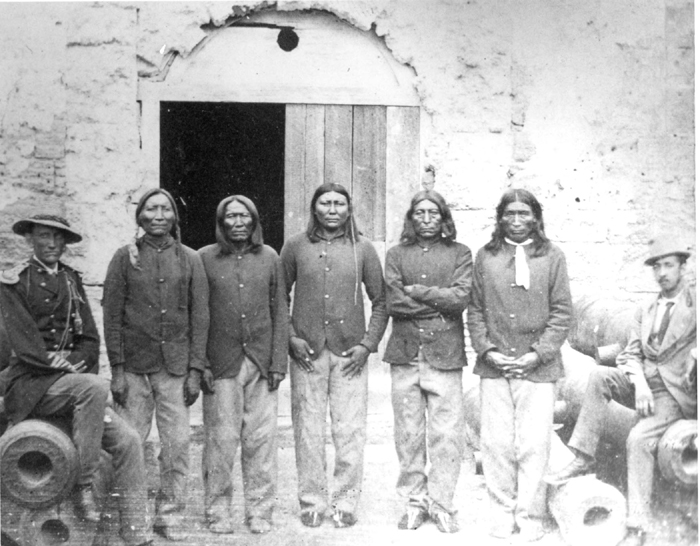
column 587, row 103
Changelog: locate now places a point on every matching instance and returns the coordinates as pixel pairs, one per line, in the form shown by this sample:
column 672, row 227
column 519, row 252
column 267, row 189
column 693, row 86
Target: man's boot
column 86, row 505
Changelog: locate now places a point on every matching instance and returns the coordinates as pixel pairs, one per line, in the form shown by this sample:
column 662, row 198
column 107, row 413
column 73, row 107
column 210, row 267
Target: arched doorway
column 349, row 110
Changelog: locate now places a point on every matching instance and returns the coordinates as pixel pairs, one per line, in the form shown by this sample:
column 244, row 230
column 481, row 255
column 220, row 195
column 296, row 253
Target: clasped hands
column 303, row 354
column 513, row 368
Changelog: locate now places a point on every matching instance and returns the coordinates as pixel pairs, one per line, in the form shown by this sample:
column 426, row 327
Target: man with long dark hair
column 156, row 319
column 519, row 314
column 329, row 344
column 428, row 276
column 247, row 354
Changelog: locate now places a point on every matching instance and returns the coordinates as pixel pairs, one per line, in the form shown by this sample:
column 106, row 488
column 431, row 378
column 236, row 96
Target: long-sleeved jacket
column 44, row 313
column 430, row 318
column 149, row 320
column 672, row 357
column 248, row 309
column 514, row 321
column 327, row 277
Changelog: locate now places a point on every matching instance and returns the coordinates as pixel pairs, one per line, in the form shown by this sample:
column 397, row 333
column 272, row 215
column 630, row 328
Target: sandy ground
column 380, row 508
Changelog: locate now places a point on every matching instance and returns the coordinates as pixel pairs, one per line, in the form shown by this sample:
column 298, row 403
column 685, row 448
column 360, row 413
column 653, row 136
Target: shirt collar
column 524, row 243
column 321, row 235
column 662, row 301
column 157, row 243
column 50, row 270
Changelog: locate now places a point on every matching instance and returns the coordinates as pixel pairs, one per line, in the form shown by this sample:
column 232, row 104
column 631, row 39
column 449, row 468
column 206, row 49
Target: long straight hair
column 449, row 231
column 539, row 239
column 135, row 247
column 351, row 232
column 256, row 235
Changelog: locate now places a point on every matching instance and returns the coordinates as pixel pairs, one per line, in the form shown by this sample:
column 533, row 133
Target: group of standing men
column 177, row 321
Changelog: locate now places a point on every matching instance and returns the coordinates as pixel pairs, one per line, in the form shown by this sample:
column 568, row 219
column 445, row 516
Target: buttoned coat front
column 248, row 309
column 512, row 320
column 150, row 322
column 673, row 355
column 430, row 318
column 40, row 317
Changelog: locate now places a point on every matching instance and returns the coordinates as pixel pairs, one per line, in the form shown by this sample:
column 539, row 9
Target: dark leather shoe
column 86, row 505
column 311, row 519
column 342, row 519
column 413, row 518
column 579, row 467
column 635, row 537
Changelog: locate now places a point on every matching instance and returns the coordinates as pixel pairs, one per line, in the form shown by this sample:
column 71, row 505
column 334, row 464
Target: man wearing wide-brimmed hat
column 53, row 369
column 655, row 374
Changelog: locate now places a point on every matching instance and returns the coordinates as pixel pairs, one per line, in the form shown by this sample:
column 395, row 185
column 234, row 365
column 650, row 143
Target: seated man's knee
column 95, row 387
column 639, row 442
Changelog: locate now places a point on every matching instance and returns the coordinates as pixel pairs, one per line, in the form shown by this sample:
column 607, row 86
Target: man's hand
column 119, row 386
column 192, row 386
column 301, row 353
column 521, row 367
column 273, row 380
column 644, row 400
column 499, row 360
column 357, row 359
column 61, row 363
column 207, row 382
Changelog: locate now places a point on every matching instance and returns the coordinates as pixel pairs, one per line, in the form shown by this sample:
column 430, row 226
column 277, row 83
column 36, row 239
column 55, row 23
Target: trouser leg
column 605, row 384
column 445, row 432
column 123, row 443
column 498, row 449
column 534, row 412
column 83, row 397
column 409, row 407
column 642, row 444
column 348, row 406
column 259, row 443
column 222, row 415
column 173, row 421
column 309, row 407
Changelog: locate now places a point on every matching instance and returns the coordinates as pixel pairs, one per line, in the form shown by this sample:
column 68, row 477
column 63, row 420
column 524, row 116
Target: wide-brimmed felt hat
column 666, row 245
column 25, row 225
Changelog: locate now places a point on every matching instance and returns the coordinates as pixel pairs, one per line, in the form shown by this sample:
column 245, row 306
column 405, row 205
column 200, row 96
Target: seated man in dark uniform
column 53, row 369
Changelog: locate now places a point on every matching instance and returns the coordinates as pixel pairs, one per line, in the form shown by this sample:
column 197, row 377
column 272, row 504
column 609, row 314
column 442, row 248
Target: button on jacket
column 328, row 305
column 40, row 317
column 431, row 317
column 150, row 322
column 248, row 309
column 514, row 321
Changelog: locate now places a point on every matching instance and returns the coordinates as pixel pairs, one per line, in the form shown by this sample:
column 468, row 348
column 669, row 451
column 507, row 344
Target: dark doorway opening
column 210, row 150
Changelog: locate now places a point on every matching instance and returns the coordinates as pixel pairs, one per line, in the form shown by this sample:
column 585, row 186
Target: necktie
column 664, row 323
column 522, row 270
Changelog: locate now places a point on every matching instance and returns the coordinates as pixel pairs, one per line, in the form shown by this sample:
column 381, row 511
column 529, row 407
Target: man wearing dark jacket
column 519, row 314
column 53, row 369
column 247, row 354
column 428, row 277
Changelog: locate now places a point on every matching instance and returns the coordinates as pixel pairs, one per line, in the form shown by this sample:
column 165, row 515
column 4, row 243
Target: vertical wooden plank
column 338, row 139
column 150, row 139
column 369, row 169
column 403, row 166
column 314, row 146
column 294, row 168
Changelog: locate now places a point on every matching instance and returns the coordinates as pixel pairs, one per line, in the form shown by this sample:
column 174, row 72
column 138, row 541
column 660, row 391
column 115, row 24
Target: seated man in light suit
column 656, row 374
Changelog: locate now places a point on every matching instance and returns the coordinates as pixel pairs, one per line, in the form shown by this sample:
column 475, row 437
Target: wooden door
column 371, row 150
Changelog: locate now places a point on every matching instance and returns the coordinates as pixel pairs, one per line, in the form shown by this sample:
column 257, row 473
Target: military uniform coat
column 40, row 317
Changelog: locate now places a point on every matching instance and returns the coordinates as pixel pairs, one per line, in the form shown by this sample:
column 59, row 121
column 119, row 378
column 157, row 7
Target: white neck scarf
column 522, row 270
column 50, row 270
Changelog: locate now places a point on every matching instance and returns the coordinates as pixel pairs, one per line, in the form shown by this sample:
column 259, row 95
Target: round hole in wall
column 287, row 39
